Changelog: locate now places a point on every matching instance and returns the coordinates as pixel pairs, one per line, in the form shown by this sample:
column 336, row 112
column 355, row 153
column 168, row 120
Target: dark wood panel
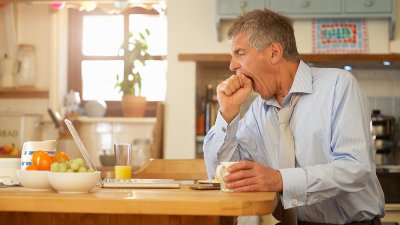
column 30, row 218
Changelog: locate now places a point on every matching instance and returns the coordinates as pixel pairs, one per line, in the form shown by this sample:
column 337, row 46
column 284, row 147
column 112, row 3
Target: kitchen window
column 95, row 55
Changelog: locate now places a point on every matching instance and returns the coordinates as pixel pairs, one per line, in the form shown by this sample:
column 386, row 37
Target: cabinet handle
column 368, row 3
column 305, row 4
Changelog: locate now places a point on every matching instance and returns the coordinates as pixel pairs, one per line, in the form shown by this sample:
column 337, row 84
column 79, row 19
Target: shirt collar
column 302, row 84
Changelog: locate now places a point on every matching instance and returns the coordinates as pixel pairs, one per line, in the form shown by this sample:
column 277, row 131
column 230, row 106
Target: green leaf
column 132, row 80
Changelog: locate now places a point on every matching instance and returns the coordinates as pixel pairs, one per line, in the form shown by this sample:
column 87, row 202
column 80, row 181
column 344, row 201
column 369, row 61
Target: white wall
column 191, row 29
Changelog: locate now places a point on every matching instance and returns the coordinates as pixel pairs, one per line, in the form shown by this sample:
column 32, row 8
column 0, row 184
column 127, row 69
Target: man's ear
column 276, row 52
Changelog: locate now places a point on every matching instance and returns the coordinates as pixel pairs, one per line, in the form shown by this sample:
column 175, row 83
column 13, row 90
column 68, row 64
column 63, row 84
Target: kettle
column 382, row 130
column 72, row 102
column 381, row 125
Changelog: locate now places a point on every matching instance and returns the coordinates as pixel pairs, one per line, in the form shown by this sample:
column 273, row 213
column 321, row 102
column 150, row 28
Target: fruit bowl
column 34, row 180
column 74, row 183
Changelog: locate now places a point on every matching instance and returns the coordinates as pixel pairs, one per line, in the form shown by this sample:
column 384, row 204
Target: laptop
column 119, row 183
column 140, row 183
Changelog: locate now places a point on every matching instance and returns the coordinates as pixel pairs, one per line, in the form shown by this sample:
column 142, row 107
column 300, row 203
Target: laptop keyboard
column 140, row 183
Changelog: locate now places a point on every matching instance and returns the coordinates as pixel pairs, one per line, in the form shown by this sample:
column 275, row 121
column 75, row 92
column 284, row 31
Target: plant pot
column 133, row 106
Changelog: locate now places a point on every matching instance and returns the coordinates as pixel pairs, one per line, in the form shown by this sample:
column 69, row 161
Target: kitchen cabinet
column 128, row 206
column 311, row 9
column 368, row 6
column 232, row 8
column 306, row 7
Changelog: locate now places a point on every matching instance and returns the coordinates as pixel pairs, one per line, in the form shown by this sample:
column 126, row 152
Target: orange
column 45, row 161
column 35, row 157
column 60, row 157
column 32, row 167
column 42, row 160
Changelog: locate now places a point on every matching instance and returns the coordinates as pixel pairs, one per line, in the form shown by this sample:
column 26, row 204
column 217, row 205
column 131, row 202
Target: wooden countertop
column 392, row 207
column 183, row 201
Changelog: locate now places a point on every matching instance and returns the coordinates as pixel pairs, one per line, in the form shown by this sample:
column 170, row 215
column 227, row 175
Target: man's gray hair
column 265, row 27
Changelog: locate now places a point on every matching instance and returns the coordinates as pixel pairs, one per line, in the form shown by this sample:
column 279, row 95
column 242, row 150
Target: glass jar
column 26, row 59
column 141, row 152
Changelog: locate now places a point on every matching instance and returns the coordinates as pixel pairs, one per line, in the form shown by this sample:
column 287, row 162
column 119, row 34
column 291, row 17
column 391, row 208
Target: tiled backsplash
column 99, row 134
column 382, row 87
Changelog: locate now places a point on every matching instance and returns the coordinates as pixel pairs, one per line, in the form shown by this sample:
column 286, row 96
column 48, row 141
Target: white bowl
column 69, row 182
column 34, row 180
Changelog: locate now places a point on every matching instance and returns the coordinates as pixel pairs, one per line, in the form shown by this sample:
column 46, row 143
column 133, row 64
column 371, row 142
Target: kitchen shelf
column 372, row 61
column 306, row 57
column 23, row 93
column 137, row 120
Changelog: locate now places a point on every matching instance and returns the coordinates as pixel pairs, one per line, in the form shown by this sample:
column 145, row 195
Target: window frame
column 75, row 55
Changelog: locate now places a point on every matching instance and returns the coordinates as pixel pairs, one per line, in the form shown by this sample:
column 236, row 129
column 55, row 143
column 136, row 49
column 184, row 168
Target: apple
column 7, row 149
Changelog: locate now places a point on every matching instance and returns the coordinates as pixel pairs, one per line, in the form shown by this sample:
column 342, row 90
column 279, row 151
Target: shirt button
column 224, row 129
column 294, row 202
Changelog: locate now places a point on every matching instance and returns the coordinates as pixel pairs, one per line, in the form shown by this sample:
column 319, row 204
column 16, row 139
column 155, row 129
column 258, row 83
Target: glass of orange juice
column 123, row 161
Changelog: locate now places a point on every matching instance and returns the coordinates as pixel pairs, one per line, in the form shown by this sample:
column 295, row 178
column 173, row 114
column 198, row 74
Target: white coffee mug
column 30, row 147
column 221, row 172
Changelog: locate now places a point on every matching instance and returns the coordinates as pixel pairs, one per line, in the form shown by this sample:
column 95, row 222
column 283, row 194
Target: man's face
column 255, row 65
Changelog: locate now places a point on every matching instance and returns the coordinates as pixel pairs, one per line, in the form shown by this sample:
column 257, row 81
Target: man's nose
column 233, row 66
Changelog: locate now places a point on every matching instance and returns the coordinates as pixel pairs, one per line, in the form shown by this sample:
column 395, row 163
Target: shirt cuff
column 222, row 125
column 228, row 136
column 294, row 187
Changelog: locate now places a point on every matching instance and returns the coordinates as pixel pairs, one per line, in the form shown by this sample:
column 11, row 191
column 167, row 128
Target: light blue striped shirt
column 334, row 180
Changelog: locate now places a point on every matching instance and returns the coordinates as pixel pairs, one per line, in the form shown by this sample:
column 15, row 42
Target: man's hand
column 252, row 176
column 231, row 94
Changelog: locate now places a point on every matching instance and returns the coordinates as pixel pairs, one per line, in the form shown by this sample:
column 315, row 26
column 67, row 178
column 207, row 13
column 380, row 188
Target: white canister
column 19, row 128
column 26, row 74
column 30, row 147
column 7, row 68
column 8, row 170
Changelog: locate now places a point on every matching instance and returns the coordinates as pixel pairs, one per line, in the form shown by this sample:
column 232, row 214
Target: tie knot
column 284, row 114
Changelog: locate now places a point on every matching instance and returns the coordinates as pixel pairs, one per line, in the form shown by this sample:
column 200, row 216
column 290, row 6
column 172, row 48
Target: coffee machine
column 383, row 130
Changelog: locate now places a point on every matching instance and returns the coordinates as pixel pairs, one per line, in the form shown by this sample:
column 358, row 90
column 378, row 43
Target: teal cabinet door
column 368, row 6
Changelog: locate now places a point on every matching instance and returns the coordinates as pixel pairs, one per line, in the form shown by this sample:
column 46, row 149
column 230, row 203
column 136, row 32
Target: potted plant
column 136, row 54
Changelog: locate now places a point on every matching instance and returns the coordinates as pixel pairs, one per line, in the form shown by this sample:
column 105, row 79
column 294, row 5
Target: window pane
column 157, row 25
column 154, row 81
column 99, row 78
column 102, row 35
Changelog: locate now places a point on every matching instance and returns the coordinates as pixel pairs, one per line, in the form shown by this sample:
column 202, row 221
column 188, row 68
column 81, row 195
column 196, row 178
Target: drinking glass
column 123, row 161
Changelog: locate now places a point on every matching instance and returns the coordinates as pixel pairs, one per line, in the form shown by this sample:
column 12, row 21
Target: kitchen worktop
column 183, row 203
